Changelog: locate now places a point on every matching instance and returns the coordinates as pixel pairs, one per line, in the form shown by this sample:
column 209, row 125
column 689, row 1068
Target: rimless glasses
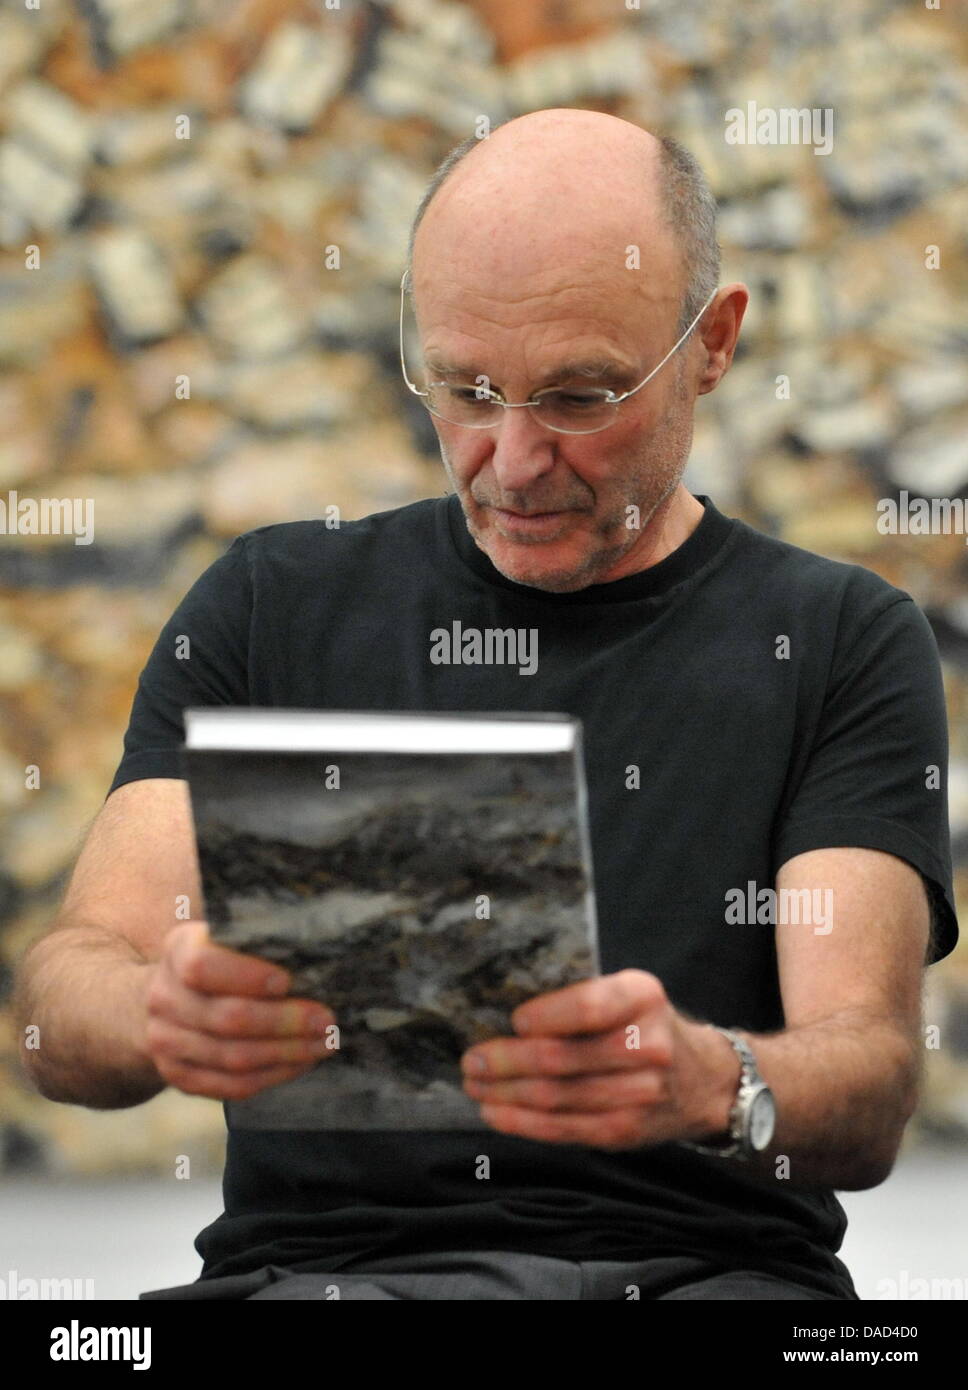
column 575, row 411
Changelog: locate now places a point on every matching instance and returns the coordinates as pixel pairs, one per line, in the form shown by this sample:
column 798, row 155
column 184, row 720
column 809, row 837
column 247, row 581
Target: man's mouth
column 528, row 521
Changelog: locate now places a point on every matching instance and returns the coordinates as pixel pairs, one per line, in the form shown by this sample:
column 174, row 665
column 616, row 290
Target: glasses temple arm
column 675, row 348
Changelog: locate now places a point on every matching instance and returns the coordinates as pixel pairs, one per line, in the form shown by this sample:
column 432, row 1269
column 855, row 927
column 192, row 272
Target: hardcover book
column 419, row 874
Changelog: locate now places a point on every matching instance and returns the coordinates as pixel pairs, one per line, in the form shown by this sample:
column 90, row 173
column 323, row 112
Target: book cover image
column 421, row 896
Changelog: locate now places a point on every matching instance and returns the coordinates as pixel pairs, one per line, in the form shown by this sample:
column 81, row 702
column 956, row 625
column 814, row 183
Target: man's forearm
column 844, row 1090
column 80, row 1014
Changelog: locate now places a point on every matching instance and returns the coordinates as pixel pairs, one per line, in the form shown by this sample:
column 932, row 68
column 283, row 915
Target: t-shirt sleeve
column 200, row 658
column 877, row 773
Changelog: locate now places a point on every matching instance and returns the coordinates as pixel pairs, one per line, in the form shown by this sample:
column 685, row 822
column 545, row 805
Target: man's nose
column 524, row 449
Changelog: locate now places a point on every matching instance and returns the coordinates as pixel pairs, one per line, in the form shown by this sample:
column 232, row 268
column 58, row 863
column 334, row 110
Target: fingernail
column 277, row 983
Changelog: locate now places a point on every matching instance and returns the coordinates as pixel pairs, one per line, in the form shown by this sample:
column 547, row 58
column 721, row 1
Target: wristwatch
column 753, row 1116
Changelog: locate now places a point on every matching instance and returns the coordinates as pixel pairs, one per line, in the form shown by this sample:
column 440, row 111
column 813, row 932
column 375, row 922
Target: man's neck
column 683, row 515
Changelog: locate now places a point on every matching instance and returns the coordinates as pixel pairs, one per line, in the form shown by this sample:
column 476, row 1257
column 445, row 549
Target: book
column 419, row 874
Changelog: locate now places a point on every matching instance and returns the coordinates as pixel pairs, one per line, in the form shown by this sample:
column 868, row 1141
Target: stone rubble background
column 312, row 130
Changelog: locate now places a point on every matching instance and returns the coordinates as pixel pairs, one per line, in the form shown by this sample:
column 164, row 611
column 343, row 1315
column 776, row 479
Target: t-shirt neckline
column 695, row 551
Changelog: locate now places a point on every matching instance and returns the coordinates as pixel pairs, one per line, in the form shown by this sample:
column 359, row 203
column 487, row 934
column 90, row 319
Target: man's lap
column 497, row 1275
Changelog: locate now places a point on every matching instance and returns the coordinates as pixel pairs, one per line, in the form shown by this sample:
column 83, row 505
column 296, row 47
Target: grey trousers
column 500, row 1274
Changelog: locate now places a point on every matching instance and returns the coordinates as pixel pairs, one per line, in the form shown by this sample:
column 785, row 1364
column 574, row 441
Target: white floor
column 126, row 1235
column 132, row 1235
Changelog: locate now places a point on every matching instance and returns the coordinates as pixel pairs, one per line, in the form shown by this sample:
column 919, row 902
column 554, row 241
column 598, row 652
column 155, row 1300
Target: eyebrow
column 590, row 369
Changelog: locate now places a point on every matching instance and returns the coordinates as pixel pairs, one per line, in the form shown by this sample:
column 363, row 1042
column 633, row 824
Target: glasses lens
column 574, row 412
column 462, row 405
column 569, row 412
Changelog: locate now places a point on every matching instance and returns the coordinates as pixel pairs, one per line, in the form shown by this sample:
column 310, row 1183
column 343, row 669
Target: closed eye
column 467, row 393
column 574, row 400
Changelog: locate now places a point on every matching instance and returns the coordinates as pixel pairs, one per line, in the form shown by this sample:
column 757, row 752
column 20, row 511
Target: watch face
column 762, row 1119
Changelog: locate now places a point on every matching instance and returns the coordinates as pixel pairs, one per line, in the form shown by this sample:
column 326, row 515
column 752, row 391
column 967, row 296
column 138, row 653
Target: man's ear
column 719, row 334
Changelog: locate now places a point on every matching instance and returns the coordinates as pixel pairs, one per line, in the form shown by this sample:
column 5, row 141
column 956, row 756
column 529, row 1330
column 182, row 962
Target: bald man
column 514, row 299
column 765, row 743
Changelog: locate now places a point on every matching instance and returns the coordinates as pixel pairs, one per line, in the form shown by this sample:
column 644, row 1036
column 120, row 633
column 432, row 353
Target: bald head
column 573, row 185
column 554, row 257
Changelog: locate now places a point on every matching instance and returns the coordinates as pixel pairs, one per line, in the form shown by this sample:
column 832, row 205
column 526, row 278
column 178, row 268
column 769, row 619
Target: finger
column 590, row 1006
column 618, row 1129
column 606, row 1052
column 212, row 969
column 609, row 1091
column 231, row 1054
column 230, row 1016
column 219, row 1085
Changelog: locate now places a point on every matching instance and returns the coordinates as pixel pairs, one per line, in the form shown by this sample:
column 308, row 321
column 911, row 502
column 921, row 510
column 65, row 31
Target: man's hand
column 216, row 1025
column 608, row 1063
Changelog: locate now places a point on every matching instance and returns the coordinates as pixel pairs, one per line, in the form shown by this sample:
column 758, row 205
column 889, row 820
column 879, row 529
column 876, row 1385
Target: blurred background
column 204, row 207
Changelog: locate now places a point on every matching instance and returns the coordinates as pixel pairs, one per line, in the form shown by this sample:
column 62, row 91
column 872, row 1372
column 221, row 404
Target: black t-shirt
column 715, row 750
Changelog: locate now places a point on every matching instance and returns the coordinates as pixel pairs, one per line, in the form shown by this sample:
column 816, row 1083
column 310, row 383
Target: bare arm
column 846, row 1069
column 124, row 997
column 84, row 984
column 80, row 1015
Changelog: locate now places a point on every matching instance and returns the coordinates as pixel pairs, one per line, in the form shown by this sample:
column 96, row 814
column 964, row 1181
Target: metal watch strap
column 733, row 1146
